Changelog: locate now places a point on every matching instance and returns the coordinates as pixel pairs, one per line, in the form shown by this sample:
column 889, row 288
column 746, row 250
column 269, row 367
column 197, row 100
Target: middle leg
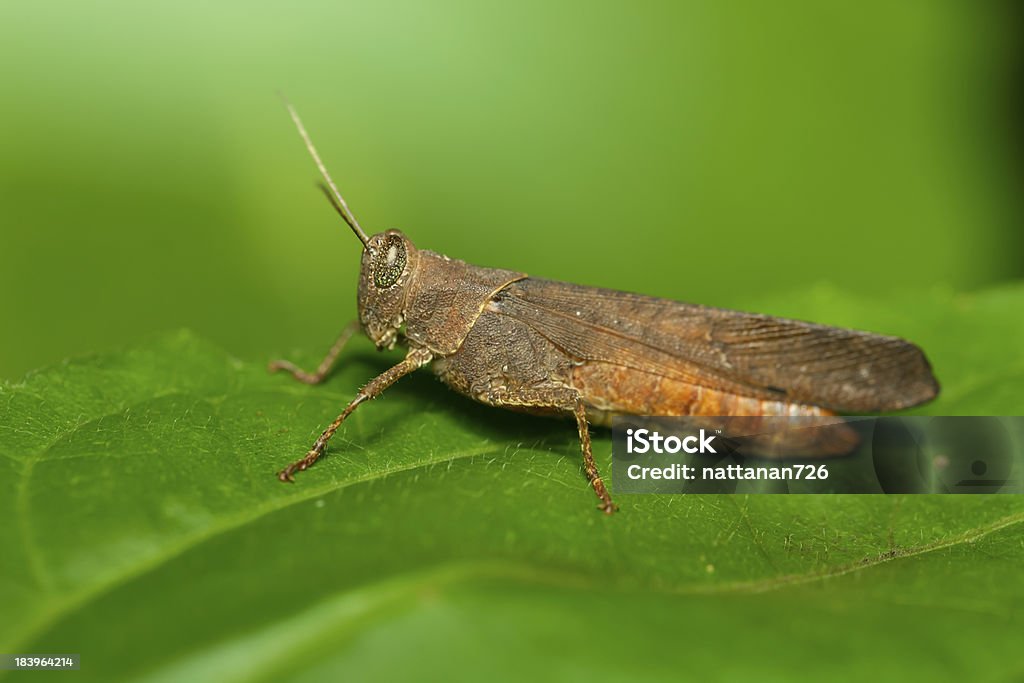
column 568, row 400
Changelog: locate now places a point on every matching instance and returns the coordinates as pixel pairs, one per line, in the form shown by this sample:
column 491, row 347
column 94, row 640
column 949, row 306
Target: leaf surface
column 146, row 531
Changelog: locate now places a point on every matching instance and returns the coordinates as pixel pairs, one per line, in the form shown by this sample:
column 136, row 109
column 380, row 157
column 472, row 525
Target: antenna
column 336, row 199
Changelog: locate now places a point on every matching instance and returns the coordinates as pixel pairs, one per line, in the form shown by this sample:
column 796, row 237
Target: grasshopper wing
column 744, row 353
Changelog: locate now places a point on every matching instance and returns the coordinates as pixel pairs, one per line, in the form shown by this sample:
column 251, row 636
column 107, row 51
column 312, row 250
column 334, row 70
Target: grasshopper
column 513, row 341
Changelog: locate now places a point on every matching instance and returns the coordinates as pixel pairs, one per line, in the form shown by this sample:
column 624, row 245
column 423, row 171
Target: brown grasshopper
column 510, row 340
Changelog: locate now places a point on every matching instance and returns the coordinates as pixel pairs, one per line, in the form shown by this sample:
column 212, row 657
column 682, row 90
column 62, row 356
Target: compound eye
column 390, row 262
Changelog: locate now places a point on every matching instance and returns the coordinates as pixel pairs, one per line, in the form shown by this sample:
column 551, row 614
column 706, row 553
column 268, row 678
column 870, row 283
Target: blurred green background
column 150, row 178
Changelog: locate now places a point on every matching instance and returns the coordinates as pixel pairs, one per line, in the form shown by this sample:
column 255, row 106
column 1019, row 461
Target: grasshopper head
column 389, row 262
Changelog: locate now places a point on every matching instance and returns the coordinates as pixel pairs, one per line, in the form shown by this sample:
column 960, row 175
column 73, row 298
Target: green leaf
column 439, row 538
